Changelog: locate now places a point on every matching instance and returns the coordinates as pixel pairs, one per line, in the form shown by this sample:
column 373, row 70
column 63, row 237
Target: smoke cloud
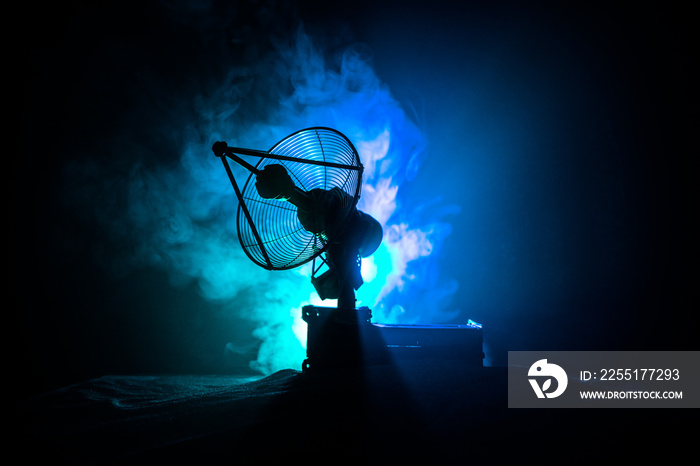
column 165, row 201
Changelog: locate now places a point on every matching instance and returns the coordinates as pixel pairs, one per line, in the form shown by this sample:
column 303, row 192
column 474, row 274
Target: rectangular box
column 604, row 379
column 347, row 337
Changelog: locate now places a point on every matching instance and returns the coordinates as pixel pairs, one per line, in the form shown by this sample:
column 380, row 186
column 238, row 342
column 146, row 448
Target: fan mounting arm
column 222, row 149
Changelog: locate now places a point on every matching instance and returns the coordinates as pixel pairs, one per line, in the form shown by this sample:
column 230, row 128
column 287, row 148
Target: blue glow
column 181, row 215
column 471, row 323
column 523, row 161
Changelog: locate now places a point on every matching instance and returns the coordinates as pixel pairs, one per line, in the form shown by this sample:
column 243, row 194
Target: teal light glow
column 179, row 216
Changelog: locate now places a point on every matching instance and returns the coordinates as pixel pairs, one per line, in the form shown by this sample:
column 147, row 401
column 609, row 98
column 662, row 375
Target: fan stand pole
column 346, row 298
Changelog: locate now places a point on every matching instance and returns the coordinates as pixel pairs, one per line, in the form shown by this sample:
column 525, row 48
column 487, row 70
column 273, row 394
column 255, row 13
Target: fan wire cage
column 269, row 230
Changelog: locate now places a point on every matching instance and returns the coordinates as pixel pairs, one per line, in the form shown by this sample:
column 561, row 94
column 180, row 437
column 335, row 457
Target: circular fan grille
column 315, row 158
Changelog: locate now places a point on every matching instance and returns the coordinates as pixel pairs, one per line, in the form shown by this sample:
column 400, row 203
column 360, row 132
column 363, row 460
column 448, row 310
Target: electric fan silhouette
column 299, row 203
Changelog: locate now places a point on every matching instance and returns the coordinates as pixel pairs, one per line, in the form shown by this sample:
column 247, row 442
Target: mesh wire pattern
column 315, row 158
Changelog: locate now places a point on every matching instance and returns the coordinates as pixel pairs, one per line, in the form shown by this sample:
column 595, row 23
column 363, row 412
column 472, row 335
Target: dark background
column 567, row 134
